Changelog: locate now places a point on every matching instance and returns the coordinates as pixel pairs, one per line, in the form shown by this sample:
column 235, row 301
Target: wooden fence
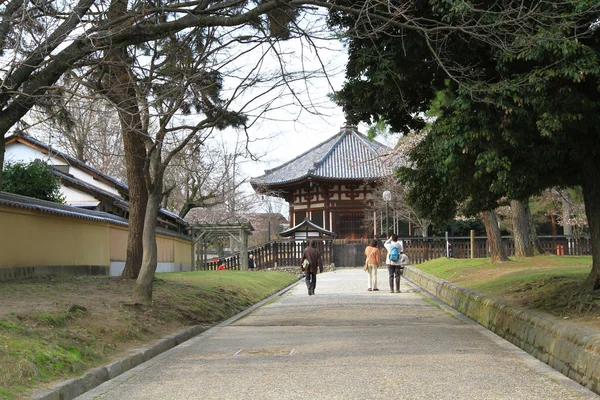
column 424, row 249
column 276, row 253
column 418, row 249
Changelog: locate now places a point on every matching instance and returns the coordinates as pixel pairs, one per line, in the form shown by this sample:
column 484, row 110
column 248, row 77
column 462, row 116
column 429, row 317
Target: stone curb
column 68, row 390
column 573, row 351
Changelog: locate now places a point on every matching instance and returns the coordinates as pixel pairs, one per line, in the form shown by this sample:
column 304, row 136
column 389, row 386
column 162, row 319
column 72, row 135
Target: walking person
column 373, row 262
column 251, row 262
column 394, row 248
column 315, row 263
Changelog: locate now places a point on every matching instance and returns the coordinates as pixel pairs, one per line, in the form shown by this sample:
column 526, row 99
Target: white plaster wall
column 19, row 152
column 76, row 196
column 117, row 267
column 84, row 176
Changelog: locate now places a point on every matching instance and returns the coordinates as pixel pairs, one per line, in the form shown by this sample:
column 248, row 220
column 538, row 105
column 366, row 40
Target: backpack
column 394, row 254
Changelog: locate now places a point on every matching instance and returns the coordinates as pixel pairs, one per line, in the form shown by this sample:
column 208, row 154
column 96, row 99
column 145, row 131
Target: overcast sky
column 291, row 130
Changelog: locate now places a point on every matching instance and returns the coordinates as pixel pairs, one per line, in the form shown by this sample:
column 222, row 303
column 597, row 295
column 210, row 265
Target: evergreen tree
column 34, row 179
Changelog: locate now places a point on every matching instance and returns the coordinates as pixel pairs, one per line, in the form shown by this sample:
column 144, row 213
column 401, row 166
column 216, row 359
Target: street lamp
column 387, row 196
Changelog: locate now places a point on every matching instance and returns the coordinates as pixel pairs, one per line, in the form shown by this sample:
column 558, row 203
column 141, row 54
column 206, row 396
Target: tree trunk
column 135, row 153
column 494, row 237
column 520, row 222
column 2, row 147
column 591, row 194
column 142, row 290
column 80, row 150
column 533, row 237
column 119, row 88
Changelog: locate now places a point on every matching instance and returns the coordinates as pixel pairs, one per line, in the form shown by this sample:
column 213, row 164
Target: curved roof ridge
column 342, row 133
column 268, row 171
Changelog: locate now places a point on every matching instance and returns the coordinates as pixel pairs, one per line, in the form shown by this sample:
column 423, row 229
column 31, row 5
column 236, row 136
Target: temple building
column 331, row 184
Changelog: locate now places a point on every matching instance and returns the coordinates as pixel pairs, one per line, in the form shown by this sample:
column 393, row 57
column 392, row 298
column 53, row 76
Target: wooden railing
column 276, row 253
column 424, row 249
column 418, row 249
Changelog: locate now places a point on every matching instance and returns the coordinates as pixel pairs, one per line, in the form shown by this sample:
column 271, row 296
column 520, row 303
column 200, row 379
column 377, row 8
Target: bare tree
column 194, row 178
column 87, row 129
column 179, row 98
column 398, row 206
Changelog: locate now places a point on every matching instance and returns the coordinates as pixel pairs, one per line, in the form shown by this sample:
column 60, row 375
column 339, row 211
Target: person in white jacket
column 394, row 248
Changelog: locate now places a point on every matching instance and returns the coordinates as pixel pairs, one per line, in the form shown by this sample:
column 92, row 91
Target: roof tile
column 348, row 155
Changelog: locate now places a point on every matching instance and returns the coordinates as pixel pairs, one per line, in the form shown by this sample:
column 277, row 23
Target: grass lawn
column 545, row 283
column 58, row 327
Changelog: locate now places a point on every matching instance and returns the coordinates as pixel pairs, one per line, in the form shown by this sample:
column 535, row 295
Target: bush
column 34, row 179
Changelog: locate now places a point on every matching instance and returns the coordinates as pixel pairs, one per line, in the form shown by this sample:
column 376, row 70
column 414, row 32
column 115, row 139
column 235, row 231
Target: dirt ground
column 91, row 311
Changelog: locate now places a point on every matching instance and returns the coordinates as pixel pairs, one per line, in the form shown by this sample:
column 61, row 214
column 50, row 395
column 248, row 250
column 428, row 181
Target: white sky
column 291, row 130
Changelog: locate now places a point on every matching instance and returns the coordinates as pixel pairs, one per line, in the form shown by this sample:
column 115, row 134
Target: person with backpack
column 394, row 248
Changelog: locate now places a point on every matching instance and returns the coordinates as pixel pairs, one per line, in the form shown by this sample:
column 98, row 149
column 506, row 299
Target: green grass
column 489, row 277
column 548, row 283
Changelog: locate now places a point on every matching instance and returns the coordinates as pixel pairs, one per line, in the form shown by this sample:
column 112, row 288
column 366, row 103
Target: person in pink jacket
column 373, row 262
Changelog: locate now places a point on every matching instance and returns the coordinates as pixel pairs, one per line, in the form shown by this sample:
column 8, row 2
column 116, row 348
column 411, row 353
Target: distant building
column 82, row 185
column 267, row 226
column 331, row 184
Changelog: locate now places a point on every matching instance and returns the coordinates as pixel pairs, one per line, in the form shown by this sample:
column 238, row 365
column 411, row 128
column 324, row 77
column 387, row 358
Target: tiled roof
column 29, row 203
column 306, row 226
column 97, row 192
column 93, row 190
column 348, row 155
column 70, row 180
column 69, row 159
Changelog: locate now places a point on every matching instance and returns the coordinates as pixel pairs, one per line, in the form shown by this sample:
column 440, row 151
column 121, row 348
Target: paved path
column 345, row 343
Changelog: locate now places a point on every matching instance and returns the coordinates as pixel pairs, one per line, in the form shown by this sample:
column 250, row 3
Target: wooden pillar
column 193, row 260
column 472, row 243
column 243, row 250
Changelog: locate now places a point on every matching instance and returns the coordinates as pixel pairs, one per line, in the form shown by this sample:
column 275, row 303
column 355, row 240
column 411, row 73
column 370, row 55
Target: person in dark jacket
column 313, row 255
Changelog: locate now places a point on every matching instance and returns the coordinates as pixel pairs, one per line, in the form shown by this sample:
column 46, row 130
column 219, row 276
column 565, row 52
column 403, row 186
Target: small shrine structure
column 306, row 230
column 331, row 184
